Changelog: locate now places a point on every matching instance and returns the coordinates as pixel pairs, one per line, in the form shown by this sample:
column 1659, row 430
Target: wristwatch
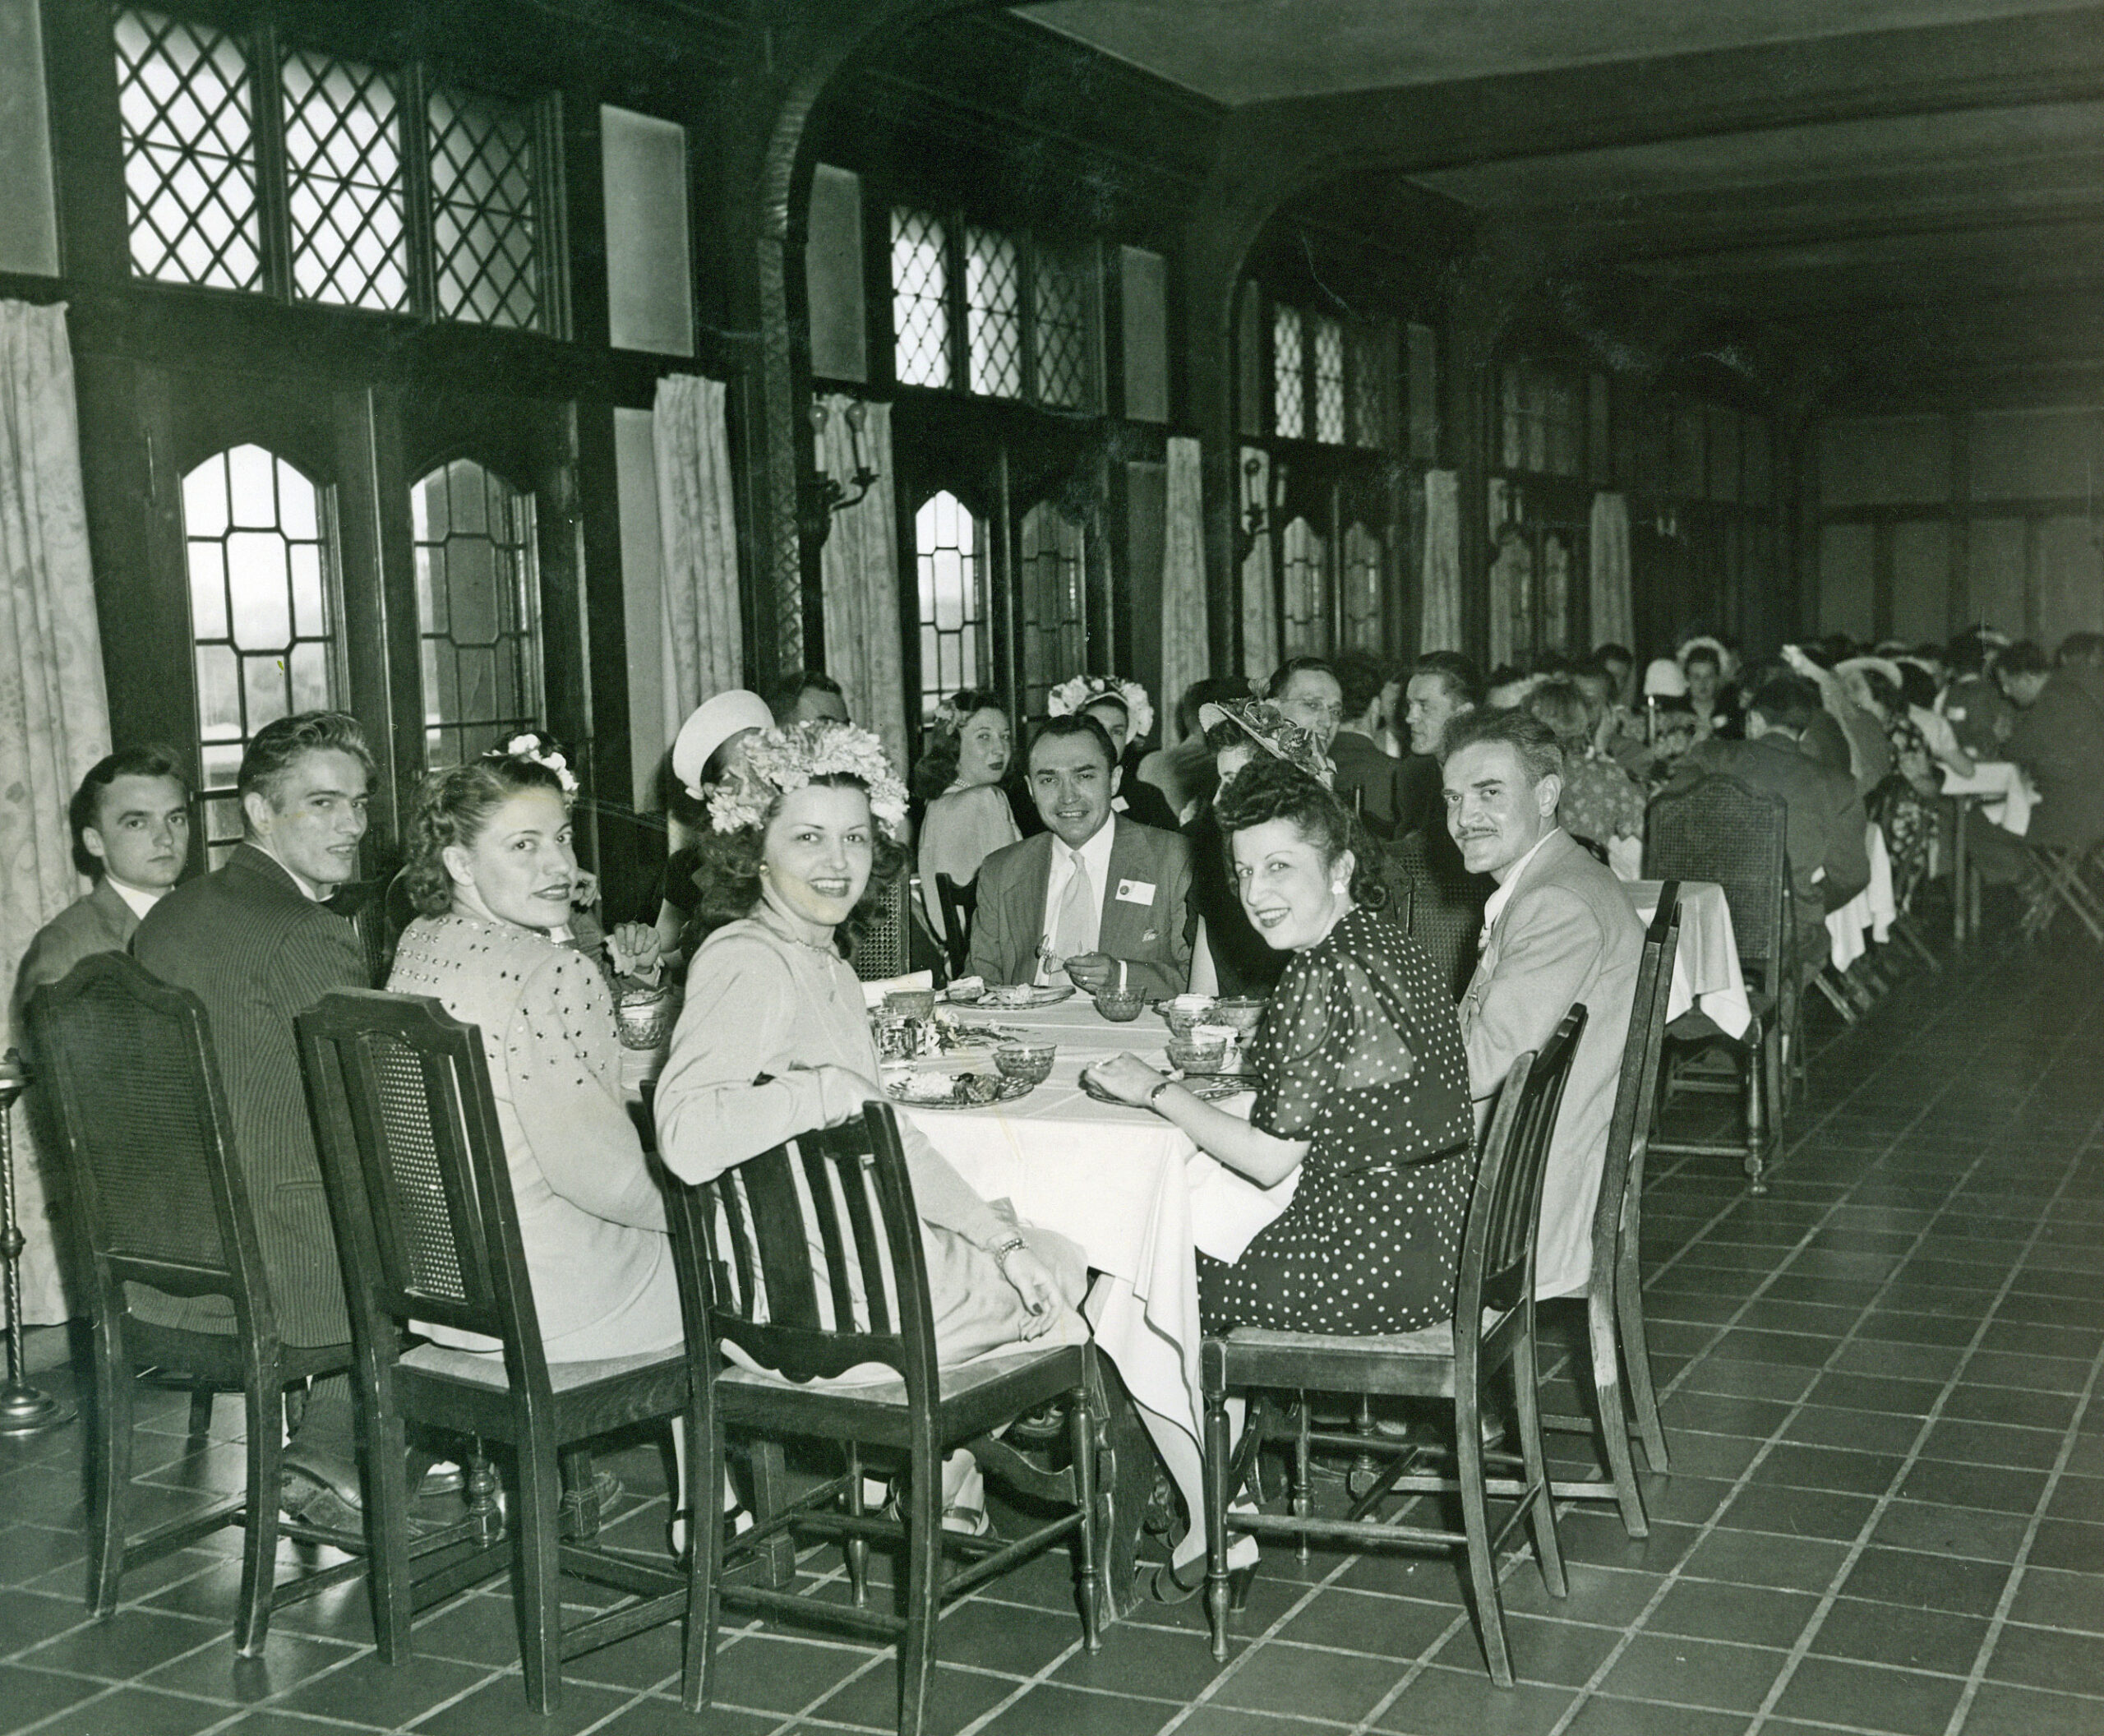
column 1158, row 1091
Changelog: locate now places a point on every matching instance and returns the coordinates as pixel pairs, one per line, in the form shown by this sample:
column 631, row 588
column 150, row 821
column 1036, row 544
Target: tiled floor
column 1886, row 1513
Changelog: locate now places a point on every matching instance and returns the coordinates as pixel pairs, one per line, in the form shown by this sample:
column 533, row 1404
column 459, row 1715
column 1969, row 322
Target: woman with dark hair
column 491, row 868
column 967, row 817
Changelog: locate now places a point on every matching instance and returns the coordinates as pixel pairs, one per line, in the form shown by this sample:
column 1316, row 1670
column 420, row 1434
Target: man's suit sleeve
column 317, row 955
column 1847, row 852
column 990, row 922
column 1551, row 946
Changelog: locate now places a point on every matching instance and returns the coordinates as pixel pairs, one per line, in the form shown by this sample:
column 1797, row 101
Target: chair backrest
column 885, row 949
column 1636, row 1093
column 426, row 1226
column 1720, row 830
column 1497, row 1245
column 809, row 1255
column 132, row 1090
column 960, row 906
column 1445, row 916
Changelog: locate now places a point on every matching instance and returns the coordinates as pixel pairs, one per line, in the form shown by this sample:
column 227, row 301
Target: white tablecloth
column 1870, row 912
column 1706, row 973
column 1136, row 1194
column 2004, row 797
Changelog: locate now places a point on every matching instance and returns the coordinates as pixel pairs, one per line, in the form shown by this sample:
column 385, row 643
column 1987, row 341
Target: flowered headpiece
column 1275, row 732
column 1083, row 690
column 779, row 760
column 532, row 745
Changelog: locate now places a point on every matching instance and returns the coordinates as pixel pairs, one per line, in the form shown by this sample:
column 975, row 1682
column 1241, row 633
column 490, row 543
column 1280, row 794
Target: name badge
column 1136, row 892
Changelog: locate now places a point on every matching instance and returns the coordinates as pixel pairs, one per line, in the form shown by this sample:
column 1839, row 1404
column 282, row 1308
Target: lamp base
column 25, row 1410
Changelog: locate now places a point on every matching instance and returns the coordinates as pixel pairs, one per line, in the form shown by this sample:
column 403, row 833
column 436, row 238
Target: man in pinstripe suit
column 254, row 941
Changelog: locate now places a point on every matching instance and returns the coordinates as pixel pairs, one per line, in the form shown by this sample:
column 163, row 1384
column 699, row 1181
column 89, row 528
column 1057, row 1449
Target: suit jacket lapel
column 1030, row 928
column 118, row 920
column 1493, row 939
column 1115, row 931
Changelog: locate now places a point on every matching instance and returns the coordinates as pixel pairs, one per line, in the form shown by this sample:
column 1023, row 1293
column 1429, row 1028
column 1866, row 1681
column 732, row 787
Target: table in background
column 1997, row 787
column 1870, row 912
column 1707, row 975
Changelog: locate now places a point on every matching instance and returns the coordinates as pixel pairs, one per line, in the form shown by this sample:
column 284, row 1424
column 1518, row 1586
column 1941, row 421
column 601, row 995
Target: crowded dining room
column 1092, row 868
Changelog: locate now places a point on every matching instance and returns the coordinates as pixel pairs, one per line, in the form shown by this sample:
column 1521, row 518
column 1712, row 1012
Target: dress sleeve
column 561, row 1051
column 1305, row 1029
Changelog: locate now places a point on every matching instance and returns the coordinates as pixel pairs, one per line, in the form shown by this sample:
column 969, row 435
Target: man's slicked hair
column 1073, row 723
column 85, row 809
column 276, row 748
column 1463, row 679
column 1521, row 730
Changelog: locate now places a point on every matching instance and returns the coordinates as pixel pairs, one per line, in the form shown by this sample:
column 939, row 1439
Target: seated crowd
column 1277, row 849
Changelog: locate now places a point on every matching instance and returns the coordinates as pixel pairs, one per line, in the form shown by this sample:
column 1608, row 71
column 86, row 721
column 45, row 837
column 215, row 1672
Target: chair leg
column 924, row 1570
column 1526, row 1375
column 1757, row 1110
column 111, row 1487
column 1475, row 1521
column 201, row 1412
column 1081, row 1424
column 265, row 1410
column 580, row 1493
column 538, row 1544
column 1216, row 1495
column 1304, row 1476
column 386, row 1479
column 1607, row 1406
column 705, row 1437
column 1636, row 1352
column 856, row 1551
column 770, row 1475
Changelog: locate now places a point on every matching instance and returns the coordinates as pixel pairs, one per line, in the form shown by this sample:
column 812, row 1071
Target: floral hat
column 779, row 760
column 1077, row 695
column 1275, row 732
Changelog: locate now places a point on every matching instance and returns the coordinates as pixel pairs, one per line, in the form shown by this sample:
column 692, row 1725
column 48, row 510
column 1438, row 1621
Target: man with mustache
column 1558, row 932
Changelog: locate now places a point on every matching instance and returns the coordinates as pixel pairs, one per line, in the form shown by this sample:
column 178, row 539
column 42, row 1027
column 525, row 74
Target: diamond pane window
column 262, row 612
column 349, row 243
column 993, row 302
column 1307, row 622
column 1362, row 589
column 477, row 591
column 484, row 223
column 1060, row 306
column 1329, row 381
column 1054, row 597
column 947, row 543
column 920, row 299
column 1289, row 384
column 185, row 101
column 1368, row 363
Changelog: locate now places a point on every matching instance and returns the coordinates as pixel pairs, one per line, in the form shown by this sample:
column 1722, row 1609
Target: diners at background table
column 708, row 743
column 1707, row 666
column 1095, row 896
column 967, row 816
column 1903, row 804
column 1601, row 804
column 1127, row 715
column 2058, row 739
column 1368, row 777
column 1184, row 774
column 1560, row 931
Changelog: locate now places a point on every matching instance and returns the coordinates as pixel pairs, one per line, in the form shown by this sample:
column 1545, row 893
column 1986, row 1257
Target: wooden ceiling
column 1910, row 190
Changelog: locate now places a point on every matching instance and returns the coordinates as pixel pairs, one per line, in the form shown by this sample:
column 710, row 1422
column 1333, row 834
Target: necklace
column 775, row 922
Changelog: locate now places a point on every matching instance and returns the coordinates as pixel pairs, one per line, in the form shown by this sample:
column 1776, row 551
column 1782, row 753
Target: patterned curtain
column 1614, row 616
column 1439, row 625
column 1186, row 650
column 704, row 638
column 1260, row 612
column 54, row 713
column 860, row 571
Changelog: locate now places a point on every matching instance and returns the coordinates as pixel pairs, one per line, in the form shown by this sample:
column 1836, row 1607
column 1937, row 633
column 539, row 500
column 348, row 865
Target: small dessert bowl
column 1031, row 1063
column 1197, row 1057
column 1121, row 1006
column 1240, row 1011
column 1181, row 1017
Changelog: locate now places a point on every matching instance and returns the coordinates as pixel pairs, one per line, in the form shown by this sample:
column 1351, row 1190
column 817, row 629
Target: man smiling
column 1558, row 932
column 1095, row 897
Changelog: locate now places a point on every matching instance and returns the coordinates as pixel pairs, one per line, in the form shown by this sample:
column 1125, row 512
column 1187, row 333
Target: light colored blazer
column 100, row 922
column 1146, row 933
column 1568, row 936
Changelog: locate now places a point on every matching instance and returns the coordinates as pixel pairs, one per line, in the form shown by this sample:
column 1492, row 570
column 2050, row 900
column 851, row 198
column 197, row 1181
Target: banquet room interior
column 484, row 367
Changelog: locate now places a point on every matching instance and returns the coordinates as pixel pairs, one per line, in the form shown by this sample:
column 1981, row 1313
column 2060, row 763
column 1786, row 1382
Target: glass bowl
column 1186, row 1057
column 1180, row 1019
column 1120, row 1006
column 1241, row 1012
column 1031, row 1063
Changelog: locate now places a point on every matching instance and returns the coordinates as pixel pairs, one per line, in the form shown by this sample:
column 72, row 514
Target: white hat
column 709, row 726
column 1884, row 666
column 1664, row 680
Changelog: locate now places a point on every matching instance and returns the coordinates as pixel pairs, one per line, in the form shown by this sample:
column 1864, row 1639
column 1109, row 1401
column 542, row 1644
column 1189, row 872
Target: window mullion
column 1026, row 309
column 551, row 231
column 956, row 297
column 272, row 178
column 413, row 118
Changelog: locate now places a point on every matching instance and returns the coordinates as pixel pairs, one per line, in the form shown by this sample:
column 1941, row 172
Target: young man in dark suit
column 1103, row 895
column 256, row 943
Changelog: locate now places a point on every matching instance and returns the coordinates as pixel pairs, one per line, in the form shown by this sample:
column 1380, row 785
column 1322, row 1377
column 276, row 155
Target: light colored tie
column 1075, row 926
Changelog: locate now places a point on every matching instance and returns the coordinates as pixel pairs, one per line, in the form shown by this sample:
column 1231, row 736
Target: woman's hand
column 1127, row 1077
column 1033, row 1282
column 634, row 948
column 584, row 889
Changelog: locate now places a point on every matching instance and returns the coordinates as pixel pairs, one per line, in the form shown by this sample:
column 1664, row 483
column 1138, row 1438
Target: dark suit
column 250, row 944
column 2059, row 740
column 1146, row 933
column 1369, row 781
column 101, row 922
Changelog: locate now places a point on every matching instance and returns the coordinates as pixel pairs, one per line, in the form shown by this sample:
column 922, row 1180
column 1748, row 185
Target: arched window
column 949, row 549
column 478, row 610
column 260, row 553
column 1362, row 589
column 1306, row 592
column 1054, row 591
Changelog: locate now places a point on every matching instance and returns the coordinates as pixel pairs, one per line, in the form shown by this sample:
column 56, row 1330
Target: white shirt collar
column 1495, row 906
column 141, row 900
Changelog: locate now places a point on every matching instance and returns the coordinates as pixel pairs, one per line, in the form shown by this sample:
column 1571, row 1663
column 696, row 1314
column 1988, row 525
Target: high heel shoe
column 1170, row 1587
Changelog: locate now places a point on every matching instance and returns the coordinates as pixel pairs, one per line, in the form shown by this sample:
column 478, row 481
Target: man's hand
column 634, row 948
column 1092, row 973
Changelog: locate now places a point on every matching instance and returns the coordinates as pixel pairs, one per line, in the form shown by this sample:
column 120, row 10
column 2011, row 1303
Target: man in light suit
column 1101, row 895
column 254, row 941
column 1558, row 932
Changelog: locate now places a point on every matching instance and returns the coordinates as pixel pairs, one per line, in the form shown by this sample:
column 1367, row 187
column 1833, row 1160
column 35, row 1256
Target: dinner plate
column 1208, row 1088
column 1005, row 1091
column 1015, row 997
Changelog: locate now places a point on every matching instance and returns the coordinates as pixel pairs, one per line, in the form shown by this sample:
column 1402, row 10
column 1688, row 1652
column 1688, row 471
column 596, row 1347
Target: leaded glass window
column 1288, row 377
column 185, row 99
column 343, row 154
column 920, row 299
column 1329, row 347
column 1305, row 591
column 949, row 550
column 1062, row 330
column 483, row 221
column 1361, row 588
column 263, row 610
column 478, row 610
column 1054, row 594
column 993, row 300
column 1368, row 356
column 1543, row 420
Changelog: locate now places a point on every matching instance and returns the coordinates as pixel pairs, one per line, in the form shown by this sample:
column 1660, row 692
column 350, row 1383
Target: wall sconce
column 1667, row 524
column 1255, row 517
column 824, row 495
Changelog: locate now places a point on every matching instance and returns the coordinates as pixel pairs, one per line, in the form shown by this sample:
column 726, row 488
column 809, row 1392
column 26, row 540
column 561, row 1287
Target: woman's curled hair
column 943, row 744
column 1268, row 789
column 453, row 806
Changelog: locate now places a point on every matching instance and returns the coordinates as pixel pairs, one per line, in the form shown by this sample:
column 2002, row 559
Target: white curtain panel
column 1614, row 615
column 1439, row 624
column 1260, row 611
column 54, row 711
column 704, row 650
column 860, row 570
column 1186, row 654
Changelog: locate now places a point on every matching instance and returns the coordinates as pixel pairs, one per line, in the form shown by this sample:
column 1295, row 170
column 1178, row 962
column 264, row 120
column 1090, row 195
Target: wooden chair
column 428, row 1231
column 1721, row 830
column 134, row 1095
column 1444, row 913
column 1492, row 1328
column 959, row 901
column 2055, row 882
column 1620, row 1351
column 808, row 1259
column 886, row 950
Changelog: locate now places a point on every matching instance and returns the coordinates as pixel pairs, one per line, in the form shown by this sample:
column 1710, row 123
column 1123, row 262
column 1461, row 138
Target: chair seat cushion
column 486, row 1368
column 1427, row 1341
